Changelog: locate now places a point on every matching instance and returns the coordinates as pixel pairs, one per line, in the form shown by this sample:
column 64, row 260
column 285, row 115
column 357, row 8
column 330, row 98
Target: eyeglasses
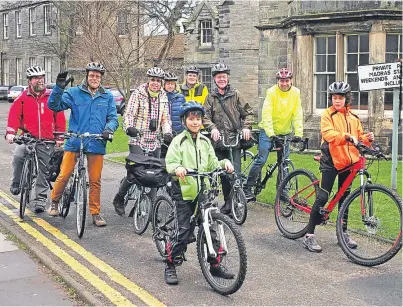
column 95, row 77
column 155, row 80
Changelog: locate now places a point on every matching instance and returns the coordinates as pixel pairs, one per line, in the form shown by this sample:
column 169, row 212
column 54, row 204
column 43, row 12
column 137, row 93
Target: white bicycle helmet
column 34, row 71
column 155, row 72
column 95, row 66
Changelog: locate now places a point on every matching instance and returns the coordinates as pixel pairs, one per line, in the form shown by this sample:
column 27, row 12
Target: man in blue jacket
column 92, row 110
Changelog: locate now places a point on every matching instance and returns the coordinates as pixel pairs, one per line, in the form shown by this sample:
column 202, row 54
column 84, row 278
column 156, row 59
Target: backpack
column 54, row 164
column 147, row 171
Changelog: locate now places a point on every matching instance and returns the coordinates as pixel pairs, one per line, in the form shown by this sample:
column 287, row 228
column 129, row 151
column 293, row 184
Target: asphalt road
column 280, row 271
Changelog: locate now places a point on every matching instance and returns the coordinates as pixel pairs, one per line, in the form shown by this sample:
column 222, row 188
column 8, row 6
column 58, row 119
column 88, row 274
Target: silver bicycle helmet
column 192, row 69
column 95, row 66
column 220, row 68
column 155, row 72
column 339, row 88
column 34, row 71
column 169, row 76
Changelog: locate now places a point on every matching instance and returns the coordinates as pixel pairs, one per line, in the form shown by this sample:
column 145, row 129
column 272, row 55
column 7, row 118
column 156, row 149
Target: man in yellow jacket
column 281, row 114
column 192, row 89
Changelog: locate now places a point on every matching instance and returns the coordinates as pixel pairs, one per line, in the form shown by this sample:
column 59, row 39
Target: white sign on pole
column 379, row 76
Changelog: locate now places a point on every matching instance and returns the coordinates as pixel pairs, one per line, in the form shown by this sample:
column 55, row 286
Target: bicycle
column 283, row 164
column 218, row 237
column 30, row 169
column 76, row 188
column 374, row 212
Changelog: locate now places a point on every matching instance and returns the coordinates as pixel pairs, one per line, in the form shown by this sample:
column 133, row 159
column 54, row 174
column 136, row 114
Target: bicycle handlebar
column 364, row 149
column 195, row 173
column 27, row 139
column 293, row 139
column 68, row 135
column 159, row 139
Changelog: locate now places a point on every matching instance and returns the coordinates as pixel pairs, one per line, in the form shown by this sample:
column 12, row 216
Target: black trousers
column 225, row 154
column 326, row 186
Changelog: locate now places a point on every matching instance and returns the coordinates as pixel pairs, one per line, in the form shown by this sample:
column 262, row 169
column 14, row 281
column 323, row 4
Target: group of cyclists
column 161, row 111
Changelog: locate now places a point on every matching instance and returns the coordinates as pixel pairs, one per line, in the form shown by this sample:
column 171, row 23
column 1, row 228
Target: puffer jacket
column 240, row 111
column 335, row 127
column 31, row 114
column 188, row 153
column 175, row 100
column 92, row 114
column 197, row 93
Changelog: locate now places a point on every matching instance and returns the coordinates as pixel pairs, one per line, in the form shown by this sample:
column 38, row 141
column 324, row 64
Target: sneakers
column 249, row 194
column 170, row 274
column 118, row 204
column 98, row 220
column 349, row 242
column 38, row 205
column 220, row 271
column 311, row 244
column 15, row 189
column 53, row 209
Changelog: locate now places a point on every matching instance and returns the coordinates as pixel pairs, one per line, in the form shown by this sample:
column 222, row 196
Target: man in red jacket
column 31, row 114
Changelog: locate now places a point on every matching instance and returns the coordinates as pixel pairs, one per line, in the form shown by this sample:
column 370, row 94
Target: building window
column 47, row 17
column 48, row 69
column 122, row 23
column 18, row 71
column 32, row 61
column 205, row 77
column 206, row 35
column 6, row 72
column 325, row 68
column 32, row 21
column 18, row 24
column 393, row 52
column 357, row 53
column 5, row 26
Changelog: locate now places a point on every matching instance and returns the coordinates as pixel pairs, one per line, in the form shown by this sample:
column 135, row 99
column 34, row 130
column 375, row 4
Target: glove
column 131, row 131
column 107, row 135
column 168, row 138
column 297, row 139
column 62, row 81
column 10, row 138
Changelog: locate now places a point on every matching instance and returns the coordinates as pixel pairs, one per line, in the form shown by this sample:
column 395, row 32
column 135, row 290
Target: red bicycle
column 374, row 211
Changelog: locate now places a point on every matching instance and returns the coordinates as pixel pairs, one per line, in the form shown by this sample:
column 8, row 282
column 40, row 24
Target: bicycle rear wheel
column 163, row 222
column 239, row 207
column 68, row 194
column 299, row 187
column 373, row 219
column 230, row 247
column 81, row 201
column 142, row 212
column 25, row 186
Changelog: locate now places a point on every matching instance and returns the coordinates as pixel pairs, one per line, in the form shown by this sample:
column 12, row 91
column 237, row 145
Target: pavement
column 23, row 281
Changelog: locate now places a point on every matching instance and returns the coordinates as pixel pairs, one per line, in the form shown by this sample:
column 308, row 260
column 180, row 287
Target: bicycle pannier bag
column 147, row 171
column 54, row 164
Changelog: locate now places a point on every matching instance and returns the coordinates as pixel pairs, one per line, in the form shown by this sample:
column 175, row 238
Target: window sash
column 206, row 32
column 48, row 69
column 18, row 67
column 206, row 77
column 32, row 20
column 391, row 56
column 47, row 18
column 6, row 72
column 32, row 61
column 18, row 23
column 5, row 25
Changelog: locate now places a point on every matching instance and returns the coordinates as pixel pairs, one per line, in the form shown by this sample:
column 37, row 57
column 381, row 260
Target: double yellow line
column 112, row 294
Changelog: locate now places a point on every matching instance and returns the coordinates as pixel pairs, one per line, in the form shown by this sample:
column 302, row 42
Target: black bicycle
column 219, row 240
column 283, row 164
column 30, row 168
column 76, row 188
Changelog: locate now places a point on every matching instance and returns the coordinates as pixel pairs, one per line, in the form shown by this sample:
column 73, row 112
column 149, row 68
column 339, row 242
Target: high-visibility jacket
column 197, row 93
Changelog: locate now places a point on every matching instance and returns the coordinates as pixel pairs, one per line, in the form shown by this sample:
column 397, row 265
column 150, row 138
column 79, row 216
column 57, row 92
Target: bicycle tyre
column 64, row 204
column 379, row 237
column 81, row 202
column 162, row 212
column 239, row 205
column 301, row 185
column 25, row 186
column 142, row 214
column 217, row 220
column 280, row 175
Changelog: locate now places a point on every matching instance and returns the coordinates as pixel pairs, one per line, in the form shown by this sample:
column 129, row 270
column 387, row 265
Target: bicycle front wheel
column 294, row 200
column 225, row 271
column 287, row 168
column 372, row 219
column 163, row 222
column 142, row 212
column 81, row 201
column 239, row 206
column 64, row 204
column 25, row 186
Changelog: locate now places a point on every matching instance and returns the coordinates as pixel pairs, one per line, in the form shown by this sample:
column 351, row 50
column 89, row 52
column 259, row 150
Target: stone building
column 322, row 41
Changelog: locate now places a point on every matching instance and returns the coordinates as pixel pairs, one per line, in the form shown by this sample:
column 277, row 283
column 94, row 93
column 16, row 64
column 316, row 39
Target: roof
column 153, row 45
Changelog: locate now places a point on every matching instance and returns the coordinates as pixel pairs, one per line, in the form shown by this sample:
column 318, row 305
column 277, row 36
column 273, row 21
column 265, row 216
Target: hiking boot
column 15, row 189
column 98, row 220
column 249, row 194
column 38, row 205
column 192, row 237
column 220, row 271
column 170, row 274
column 350, row 242
column 53, row 209
column 118, row 204
column 311, row 244
column 226, row 208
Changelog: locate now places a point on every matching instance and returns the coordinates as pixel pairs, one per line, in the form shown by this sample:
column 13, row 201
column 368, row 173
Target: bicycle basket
column 147, row 171
column 54, row 164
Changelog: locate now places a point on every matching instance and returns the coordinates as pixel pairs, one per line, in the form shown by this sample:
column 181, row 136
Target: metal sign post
column 395, row 133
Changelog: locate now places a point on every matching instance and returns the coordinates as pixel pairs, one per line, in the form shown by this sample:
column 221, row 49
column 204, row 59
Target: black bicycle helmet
column 155, row 72
column 220, row 68
column 189, row 107
column 170, row 76
column 95, row 66
column 339, row 88
column 192, row 69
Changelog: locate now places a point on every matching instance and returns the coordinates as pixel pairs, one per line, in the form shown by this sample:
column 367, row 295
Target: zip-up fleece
column 335, row 127
column 31, row 114
column 188, row 153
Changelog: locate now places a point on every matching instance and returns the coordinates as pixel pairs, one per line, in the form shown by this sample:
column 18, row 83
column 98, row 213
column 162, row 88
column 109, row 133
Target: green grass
column 120, row 140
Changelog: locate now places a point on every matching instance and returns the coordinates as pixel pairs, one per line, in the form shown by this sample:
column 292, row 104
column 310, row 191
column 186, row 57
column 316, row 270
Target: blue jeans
column 265, row 145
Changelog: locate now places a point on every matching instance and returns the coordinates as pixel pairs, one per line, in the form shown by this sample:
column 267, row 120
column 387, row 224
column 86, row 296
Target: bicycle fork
column 206, row 226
